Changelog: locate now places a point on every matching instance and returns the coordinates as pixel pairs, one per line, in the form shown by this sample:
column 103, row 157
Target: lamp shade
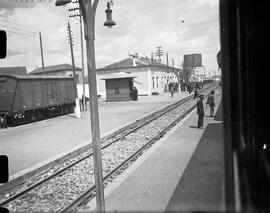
column 109, row 22
column 62, row 2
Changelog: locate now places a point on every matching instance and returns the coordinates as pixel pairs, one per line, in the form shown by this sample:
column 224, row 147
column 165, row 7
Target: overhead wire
column 45, row 34
column 24, row 25
column 27, row 33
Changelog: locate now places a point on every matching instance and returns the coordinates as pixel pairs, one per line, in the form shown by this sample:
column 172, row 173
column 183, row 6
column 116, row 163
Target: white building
column 152, row 76
column 60, row 69
column 198, row 74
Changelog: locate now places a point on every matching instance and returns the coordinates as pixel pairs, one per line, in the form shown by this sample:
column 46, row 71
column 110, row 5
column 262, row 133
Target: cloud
column 14, row 52
column 141, row 26
column 13, row 4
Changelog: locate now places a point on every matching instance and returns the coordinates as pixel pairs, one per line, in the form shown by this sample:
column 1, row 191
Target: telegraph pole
column 77, row 108
column 80, row 19
column 159, row 53
column 41, row 49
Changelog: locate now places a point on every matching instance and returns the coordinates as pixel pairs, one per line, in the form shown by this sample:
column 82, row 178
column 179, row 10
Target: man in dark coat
column 200, row 111
column 211, row 102
column 135, row 93
column 196, row 94
column 171, row 89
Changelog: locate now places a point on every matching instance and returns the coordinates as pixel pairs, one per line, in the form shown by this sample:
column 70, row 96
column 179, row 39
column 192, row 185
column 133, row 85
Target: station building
column 152, row 77
column 59, row 70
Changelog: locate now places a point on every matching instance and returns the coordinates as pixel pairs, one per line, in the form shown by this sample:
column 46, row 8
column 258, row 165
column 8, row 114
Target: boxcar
column 29, row 98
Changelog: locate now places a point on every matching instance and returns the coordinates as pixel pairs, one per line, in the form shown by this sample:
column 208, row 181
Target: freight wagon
column 29, row 98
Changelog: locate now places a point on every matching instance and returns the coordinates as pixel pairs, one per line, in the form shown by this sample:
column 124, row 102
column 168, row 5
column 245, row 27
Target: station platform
column 182, row 172
column 31, row 146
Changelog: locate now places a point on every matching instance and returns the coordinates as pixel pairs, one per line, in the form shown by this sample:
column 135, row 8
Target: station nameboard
column 193, row 60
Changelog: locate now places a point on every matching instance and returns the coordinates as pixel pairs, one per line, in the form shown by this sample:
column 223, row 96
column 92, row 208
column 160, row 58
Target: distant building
column 152, row 76
column 193, row 65
column 60, row 69
column 19, row 70
column 198, row 74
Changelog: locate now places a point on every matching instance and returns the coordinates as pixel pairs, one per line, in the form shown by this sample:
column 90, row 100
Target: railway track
column 69, row 185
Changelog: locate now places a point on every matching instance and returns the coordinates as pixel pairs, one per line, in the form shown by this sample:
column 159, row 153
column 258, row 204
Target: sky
column 179, row 26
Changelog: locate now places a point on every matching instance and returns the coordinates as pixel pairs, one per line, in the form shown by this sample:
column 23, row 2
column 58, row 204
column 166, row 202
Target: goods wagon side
column 7, row 92
column 51, row 88
column 66, row 93
column 23, row 100
column 70, row 91
column 31, row 98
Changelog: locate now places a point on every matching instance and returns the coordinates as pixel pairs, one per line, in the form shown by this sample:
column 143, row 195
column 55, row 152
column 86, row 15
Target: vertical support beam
column 88, row 12
column 227, row 68
column 41, row 49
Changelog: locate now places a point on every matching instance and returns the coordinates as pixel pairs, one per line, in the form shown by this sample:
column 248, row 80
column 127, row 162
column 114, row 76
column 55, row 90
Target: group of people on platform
column 200, row 109
column 173, row 87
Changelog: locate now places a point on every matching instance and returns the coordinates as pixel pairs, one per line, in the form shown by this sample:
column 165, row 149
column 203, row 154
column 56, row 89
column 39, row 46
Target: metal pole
column 84, row 104
column 41, row 49
column 88, row 12
column 95, row 124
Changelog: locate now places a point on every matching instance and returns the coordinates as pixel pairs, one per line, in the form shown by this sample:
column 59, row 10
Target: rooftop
column 54, row 68
column 35, row 77
column 133, row 61
column 18, row 70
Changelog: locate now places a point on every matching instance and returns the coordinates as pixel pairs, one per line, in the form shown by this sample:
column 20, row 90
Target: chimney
column 137, row 55
column 167, row 58
column 134, row 62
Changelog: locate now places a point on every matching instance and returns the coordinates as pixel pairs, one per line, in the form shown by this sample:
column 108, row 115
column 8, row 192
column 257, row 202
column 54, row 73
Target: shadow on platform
column 200, row 188
column 219, row 114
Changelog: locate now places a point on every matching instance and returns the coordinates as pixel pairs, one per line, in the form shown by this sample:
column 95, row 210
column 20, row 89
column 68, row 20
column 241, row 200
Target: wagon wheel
column 66, row 110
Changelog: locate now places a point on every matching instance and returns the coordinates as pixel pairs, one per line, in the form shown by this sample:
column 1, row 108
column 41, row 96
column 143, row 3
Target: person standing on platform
column 196, row 94
column 200, row 111
column 171, row 89
column 211, row 102
column 135, row 93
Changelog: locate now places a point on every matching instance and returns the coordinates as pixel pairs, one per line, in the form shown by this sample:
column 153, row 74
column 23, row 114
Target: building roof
column 131, row 62
column 118, row 75
column 36, row 77
column 55, row 68
column 19, row 70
